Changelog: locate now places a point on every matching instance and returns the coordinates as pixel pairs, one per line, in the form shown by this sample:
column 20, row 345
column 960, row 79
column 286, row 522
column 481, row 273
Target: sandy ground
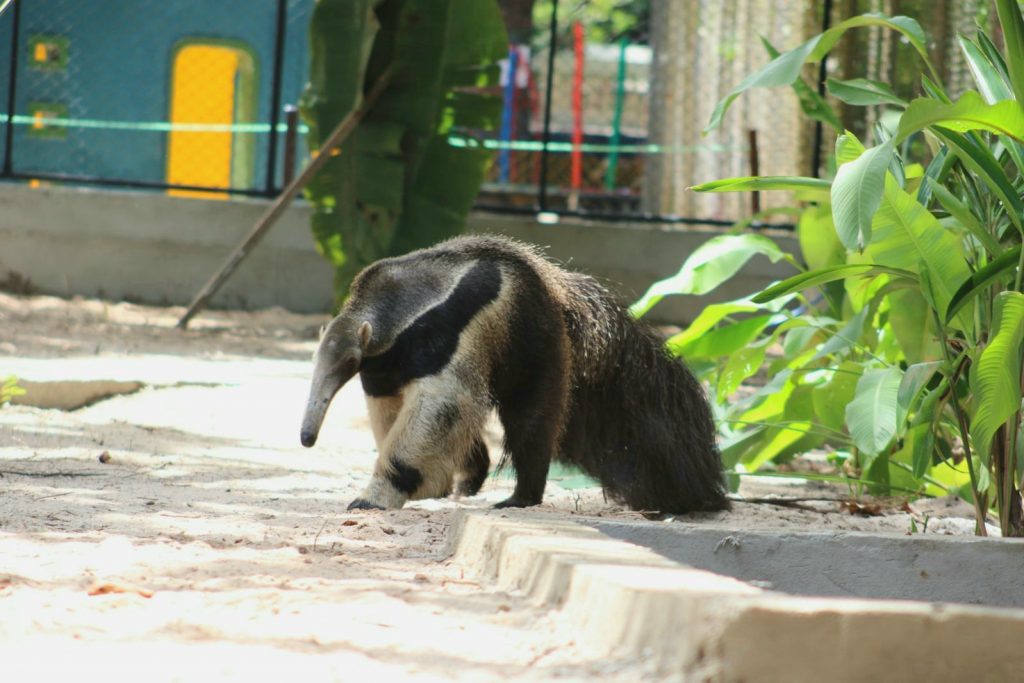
column 180, row 531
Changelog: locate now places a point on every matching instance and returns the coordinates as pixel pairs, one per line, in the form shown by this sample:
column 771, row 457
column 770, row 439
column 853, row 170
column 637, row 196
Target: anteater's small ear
column 365, row 330
column 320, row 335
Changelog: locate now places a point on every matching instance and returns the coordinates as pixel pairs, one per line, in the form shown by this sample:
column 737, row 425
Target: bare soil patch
column 180, row 531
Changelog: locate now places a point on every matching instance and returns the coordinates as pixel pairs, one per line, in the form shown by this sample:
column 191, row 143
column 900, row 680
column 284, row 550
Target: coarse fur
column 442, row 336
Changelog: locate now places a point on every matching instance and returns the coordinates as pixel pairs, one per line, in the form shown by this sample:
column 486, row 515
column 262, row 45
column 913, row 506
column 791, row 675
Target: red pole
column 577, row 113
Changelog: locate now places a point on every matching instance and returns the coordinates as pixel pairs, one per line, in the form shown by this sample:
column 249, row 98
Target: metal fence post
column 819, row 133
column 275, row 95
column 542, row 192
column 8, row 167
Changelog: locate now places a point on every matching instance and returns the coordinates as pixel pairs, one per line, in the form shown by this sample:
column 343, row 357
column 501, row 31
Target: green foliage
column 710, row 265
column 605, row 21
column 785, row 69
column 899, row 348
column 9, row 389
column 857, row 194
column 397, row 184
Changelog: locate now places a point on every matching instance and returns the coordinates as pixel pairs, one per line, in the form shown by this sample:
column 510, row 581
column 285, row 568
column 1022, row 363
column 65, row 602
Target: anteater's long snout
column 325, row 386
column 316, row 408
column 308, row 437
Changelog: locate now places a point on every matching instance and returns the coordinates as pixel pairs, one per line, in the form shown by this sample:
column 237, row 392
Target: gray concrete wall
column 153, row 248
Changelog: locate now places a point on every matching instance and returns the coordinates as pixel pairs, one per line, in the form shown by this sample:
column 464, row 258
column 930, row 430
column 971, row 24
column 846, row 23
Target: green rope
column 537, row 146
column 151, row 126
column 453, row 140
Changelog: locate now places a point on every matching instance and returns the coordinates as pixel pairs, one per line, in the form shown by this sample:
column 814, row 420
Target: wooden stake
column 276, row 210
column 755, row 169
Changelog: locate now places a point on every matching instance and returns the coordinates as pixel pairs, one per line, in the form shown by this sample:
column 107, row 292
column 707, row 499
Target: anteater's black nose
column 307, row 438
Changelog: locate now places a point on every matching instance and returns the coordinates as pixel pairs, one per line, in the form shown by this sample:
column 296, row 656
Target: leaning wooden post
column 275, row 210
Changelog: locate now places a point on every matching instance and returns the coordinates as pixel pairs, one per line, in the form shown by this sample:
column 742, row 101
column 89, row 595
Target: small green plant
column 899, row 348
column 9, row 389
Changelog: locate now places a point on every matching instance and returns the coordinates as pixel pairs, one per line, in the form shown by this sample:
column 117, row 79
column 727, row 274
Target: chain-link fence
column 182, row 94
column 605, row 102
column 633, row 84
column 631, row 89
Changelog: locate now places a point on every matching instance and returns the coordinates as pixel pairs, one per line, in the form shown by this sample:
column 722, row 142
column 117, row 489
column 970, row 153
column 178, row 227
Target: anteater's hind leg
column 474, row 471
column 431, row 437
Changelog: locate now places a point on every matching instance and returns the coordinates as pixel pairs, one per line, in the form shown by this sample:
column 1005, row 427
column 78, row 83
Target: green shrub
column 899, row 348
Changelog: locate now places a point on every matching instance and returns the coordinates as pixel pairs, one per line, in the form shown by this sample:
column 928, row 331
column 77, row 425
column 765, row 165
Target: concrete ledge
column 627, row 601
column 928, row 567
column 155, row 248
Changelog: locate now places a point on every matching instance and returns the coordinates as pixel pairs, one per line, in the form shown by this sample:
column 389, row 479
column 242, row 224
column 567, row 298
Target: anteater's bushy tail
column 639, row 421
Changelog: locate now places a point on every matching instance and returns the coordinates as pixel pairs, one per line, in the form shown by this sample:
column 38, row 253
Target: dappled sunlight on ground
column 181, row 532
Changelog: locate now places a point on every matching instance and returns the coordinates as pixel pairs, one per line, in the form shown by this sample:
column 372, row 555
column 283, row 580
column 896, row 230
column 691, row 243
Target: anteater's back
column 638, row 420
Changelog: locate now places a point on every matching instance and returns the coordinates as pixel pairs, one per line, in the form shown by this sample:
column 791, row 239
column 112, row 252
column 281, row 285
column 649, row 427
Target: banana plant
column 397, row 185
column 899, row 347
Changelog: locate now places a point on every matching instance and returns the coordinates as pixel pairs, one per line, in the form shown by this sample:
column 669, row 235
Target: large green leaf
column 863, row 92
column 785, row 68
column 710, row 316
column 923, row 439
column 856, row 194
column 721, row 341
column 819, row 243
column 970, row 112
column 1004, row 266
column 739, row 367
column 813, row 105
column 871, row 416
column 995, row 376
column 780, row 438
column 341, row 38
column 711, row 264
column 912, row 324
column 980, row 160
column 907, row 234
column 832, row 397
column 846, row 337
column 812, row 278
column 962, row 213
column 848, row 148
column 701, row 339
column 737, row 447
column 1013, row 37
column 398, row 184
column 760, row 183
column 915, row 379
column 986, row 76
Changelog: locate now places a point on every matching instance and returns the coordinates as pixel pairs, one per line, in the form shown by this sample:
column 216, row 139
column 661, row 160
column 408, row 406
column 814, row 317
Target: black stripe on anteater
column 428, row 344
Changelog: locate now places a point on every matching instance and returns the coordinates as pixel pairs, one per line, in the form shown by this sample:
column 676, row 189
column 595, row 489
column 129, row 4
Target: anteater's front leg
column 433, row 434
column 534, row 414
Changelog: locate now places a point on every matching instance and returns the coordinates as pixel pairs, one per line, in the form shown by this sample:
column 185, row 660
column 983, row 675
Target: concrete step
column 627, row 600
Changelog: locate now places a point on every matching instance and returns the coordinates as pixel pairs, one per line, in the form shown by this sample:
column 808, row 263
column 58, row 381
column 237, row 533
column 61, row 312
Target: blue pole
column 506, row 114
